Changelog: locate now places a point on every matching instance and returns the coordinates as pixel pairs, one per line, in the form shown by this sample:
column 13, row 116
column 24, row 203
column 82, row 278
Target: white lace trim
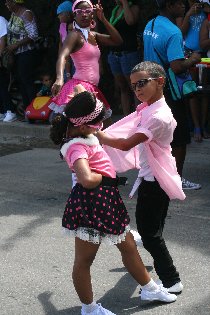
column 58, row 109
column 91, row 140
column 94, row 236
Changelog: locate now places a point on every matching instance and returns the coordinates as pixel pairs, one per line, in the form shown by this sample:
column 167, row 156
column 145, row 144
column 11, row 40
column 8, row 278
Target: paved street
column 37, row 260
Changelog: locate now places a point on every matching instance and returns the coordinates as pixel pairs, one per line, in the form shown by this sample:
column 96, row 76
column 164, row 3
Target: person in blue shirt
column 163, row 43
column 190, row 26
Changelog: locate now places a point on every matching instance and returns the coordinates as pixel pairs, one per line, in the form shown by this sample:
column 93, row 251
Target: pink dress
column 86, row 61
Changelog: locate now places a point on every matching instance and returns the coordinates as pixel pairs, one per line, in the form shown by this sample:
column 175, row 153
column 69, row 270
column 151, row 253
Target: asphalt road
column 36, row 259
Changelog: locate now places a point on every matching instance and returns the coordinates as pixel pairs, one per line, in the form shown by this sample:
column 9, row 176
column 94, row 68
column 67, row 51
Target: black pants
column 26, row 64
column 151, row 211
column 5, row 99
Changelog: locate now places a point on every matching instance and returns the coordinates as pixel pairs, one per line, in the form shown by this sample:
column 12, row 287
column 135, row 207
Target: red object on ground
column 39, row 109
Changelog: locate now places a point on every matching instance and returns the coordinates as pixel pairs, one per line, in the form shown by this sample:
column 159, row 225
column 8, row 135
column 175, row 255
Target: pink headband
column 85, row 119
column 78, row 1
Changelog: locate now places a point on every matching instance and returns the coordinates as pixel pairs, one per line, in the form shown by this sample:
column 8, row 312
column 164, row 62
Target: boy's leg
column 151, row 211
column 132, row 261
column 85, row 253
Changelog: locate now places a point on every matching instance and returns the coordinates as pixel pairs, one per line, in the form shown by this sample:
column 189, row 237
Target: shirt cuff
column 147, row 133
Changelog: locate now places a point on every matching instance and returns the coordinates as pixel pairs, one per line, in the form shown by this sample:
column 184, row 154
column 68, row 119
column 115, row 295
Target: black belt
column 108, row 181
column 121, row 53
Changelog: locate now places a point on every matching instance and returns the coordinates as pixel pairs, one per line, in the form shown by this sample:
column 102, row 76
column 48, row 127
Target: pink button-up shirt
column 157, row 123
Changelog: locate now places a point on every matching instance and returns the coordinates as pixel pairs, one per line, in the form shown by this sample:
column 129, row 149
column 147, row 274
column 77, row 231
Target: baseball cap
column 65, row 6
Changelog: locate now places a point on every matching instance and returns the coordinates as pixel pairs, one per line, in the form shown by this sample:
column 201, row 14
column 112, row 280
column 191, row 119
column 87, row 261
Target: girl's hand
column 99, row 11
column 194, row 9
column 57, row 87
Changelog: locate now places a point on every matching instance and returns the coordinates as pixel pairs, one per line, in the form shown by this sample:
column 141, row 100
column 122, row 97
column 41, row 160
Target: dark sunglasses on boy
column 141, row 83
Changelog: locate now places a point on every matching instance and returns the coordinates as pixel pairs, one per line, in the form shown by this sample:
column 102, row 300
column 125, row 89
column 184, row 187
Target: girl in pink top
column 95, row 212
column 82, row 45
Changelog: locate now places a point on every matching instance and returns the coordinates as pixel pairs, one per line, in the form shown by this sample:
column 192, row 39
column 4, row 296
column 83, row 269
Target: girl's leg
column 85, row 253
column 132, row 260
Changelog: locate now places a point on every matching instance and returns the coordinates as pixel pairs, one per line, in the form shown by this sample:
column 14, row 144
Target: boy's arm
column 121, row 143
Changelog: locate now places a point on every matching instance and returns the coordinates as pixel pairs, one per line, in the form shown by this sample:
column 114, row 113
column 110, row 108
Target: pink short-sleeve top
column 89, row 149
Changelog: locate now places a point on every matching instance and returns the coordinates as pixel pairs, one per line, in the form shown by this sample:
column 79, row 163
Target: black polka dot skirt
column 96, row 215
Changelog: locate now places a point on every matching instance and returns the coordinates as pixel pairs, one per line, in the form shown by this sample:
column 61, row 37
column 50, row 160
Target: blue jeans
column 123, row 62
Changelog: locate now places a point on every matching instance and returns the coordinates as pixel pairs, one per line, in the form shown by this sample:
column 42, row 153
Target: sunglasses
column 141, row 83
column 83, row 11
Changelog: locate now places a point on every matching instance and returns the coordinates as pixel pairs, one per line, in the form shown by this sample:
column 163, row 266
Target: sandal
column 197, row 135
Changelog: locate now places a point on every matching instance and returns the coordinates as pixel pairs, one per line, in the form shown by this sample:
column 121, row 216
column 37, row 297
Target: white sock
column 150, row 286
column 88, row 308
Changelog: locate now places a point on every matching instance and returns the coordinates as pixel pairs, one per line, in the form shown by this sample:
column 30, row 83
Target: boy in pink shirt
column 158, row 179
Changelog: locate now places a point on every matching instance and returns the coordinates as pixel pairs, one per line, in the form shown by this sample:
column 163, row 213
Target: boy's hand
column 100, row 135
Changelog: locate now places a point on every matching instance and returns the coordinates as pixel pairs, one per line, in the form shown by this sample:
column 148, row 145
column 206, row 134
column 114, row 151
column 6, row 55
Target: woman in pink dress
column 82, row 45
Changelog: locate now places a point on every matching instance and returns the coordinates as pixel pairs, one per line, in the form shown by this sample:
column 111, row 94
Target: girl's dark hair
column 80, row 105
column 58, row 129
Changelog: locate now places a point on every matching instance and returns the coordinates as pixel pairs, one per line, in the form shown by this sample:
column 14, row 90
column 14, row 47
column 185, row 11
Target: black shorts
column 182, row 132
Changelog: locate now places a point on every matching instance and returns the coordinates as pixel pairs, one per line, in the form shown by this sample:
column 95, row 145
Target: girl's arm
column 68, row 46
column 113, row 38
column 121, row 143
column 204, row 35
column 85, row 176
column 184, row 23
column 131, row 14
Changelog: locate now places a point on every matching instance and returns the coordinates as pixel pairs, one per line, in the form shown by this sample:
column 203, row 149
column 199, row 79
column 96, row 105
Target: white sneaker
column 2, row 116
column 176, row 288
column 187, row 185
column 160, row 294
column 137, row 237
column 10, row 117
column 98, row 311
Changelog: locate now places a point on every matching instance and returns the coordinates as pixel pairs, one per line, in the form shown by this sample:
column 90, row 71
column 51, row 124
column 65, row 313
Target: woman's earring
column 93, row 24
column 74, row 24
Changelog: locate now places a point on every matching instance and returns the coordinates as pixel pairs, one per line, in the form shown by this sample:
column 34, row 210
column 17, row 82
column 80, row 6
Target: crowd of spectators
column 30, row 56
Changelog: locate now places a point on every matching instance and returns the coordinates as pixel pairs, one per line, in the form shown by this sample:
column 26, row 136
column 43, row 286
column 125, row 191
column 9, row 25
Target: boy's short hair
column 152, row 68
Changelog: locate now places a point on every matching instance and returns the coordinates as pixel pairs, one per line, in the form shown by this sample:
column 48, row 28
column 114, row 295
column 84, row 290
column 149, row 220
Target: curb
column 24, row 129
